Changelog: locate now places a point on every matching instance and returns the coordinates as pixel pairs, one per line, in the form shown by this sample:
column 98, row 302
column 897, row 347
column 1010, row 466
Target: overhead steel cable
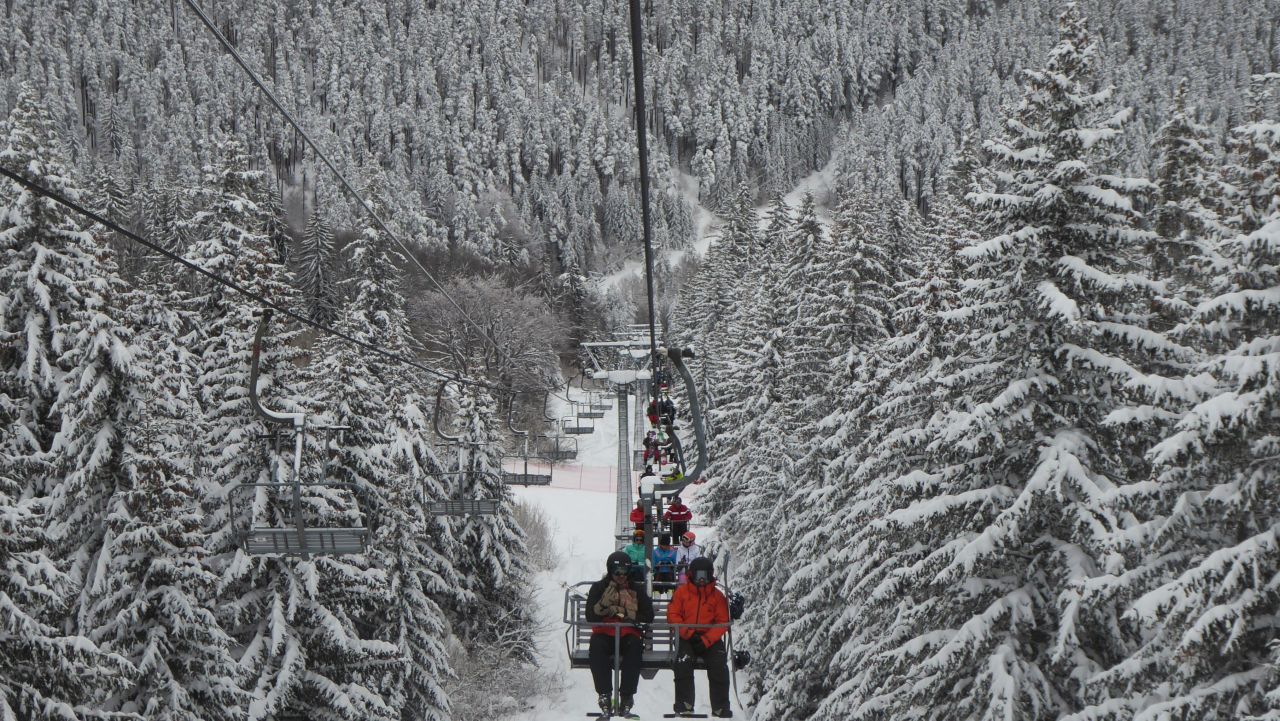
column 111, row 225
column 642, row 143
column 253, row 76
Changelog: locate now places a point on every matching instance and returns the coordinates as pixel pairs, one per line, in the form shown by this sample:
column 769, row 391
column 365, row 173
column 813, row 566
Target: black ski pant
column 717, row 659
column 600, row 655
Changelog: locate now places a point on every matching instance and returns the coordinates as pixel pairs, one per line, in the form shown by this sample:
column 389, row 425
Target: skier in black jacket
column 615, row 598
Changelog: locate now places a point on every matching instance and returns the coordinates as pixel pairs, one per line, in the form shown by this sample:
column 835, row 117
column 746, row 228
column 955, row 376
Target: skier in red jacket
column 678, row 515
column 638, row 515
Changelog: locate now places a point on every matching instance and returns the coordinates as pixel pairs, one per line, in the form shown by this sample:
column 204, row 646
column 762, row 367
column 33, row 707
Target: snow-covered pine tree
column 276, row 224
column 491, row 554
column 385, row 455
column 1184, row 217
column 91, row 360
column 750, row 466
column 151, row 597
column 879, row 432
column 859, row 287
column 295, row 620
column 1010, row 516
column 315, row 276
column 1205, row 597
column 63, row 374
column 44, row 674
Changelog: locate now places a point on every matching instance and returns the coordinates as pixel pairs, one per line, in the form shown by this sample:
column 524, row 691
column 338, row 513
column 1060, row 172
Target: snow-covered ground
column 580, row 504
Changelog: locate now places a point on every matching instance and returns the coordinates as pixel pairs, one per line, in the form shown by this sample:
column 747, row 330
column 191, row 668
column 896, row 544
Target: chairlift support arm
column 435, row 416
column 297, row 420
column 677, row 356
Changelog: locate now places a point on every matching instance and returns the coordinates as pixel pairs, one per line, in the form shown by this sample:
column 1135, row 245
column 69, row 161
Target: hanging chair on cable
column 302, row 536
column 525, row 477
column 555, row 446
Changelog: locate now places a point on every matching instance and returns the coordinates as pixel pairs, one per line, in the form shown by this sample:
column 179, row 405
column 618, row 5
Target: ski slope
column 580, row 505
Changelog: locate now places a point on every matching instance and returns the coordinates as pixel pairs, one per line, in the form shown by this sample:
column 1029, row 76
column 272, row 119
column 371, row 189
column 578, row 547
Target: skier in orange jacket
column 700, row 603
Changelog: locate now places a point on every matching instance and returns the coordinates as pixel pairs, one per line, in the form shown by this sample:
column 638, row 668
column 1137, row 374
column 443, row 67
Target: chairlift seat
column 526, row 479
column 464, row 507
column 659, row 648
column 573, row 426
column 591, row 414
column 328, row 541
column 559, row 454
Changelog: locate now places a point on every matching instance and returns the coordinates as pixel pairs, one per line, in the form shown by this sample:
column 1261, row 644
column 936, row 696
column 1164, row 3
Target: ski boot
column 625, row 702
column 605, row 701
column 682, row 709
column 722, row 712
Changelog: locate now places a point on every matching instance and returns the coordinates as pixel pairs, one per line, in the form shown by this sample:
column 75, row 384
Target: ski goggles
column 700, row 577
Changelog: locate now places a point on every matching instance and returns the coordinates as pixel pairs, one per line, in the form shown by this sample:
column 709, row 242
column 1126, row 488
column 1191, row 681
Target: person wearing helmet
column 705, row 609
column 678, row 515
column 687, row 553
column 636, row 551
column 619, row 604
column 664, row 564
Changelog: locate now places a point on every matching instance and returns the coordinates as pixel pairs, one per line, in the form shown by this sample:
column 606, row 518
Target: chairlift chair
column 555, row 447
column 524, row 478
column 584, row 410
column 301, row 538
column 677, row 356
column 660, row 638
column 599, row 401
column 574, row 426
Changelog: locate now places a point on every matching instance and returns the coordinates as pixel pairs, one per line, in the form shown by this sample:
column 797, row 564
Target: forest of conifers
column 1004, row 400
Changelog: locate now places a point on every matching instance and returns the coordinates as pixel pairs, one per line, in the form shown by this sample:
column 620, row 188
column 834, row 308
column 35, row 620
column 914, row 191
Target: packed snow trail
column 582, row 519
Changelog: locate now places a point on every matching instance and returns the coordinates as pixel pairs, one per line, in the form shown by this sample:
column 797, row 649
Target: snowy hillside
column 984, row 294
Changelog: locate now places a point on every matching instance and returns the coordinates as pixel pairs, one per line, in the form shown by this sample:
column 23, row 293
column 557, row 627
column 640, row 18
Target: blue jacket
column 663, row 558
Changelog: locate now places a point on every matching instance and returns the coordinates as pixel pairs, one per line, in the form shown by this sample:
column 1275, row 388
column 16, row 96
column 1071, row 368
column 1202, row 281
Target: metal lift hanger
column 301, row 539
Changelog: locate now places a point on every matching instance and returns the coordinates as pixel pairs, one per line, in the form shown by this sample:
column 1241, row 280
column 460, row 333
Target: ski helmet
column 701, row 572
column 618, row 561
column 688, row 536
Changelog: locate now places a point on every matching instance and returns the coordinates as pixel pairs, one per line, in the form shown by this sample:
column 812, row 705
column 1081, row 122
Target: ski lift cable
column 253, row 76
column 110, row 225
column 642, row 145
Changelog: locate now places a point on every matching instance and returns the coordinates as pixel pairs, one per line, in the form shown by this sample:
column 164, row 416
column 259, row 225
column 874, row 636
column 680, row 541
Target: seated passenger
column 636, row 552
column 616, row 604
column 664, row 562
column 637, row 516
column 687, row 553
column 679, row 516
